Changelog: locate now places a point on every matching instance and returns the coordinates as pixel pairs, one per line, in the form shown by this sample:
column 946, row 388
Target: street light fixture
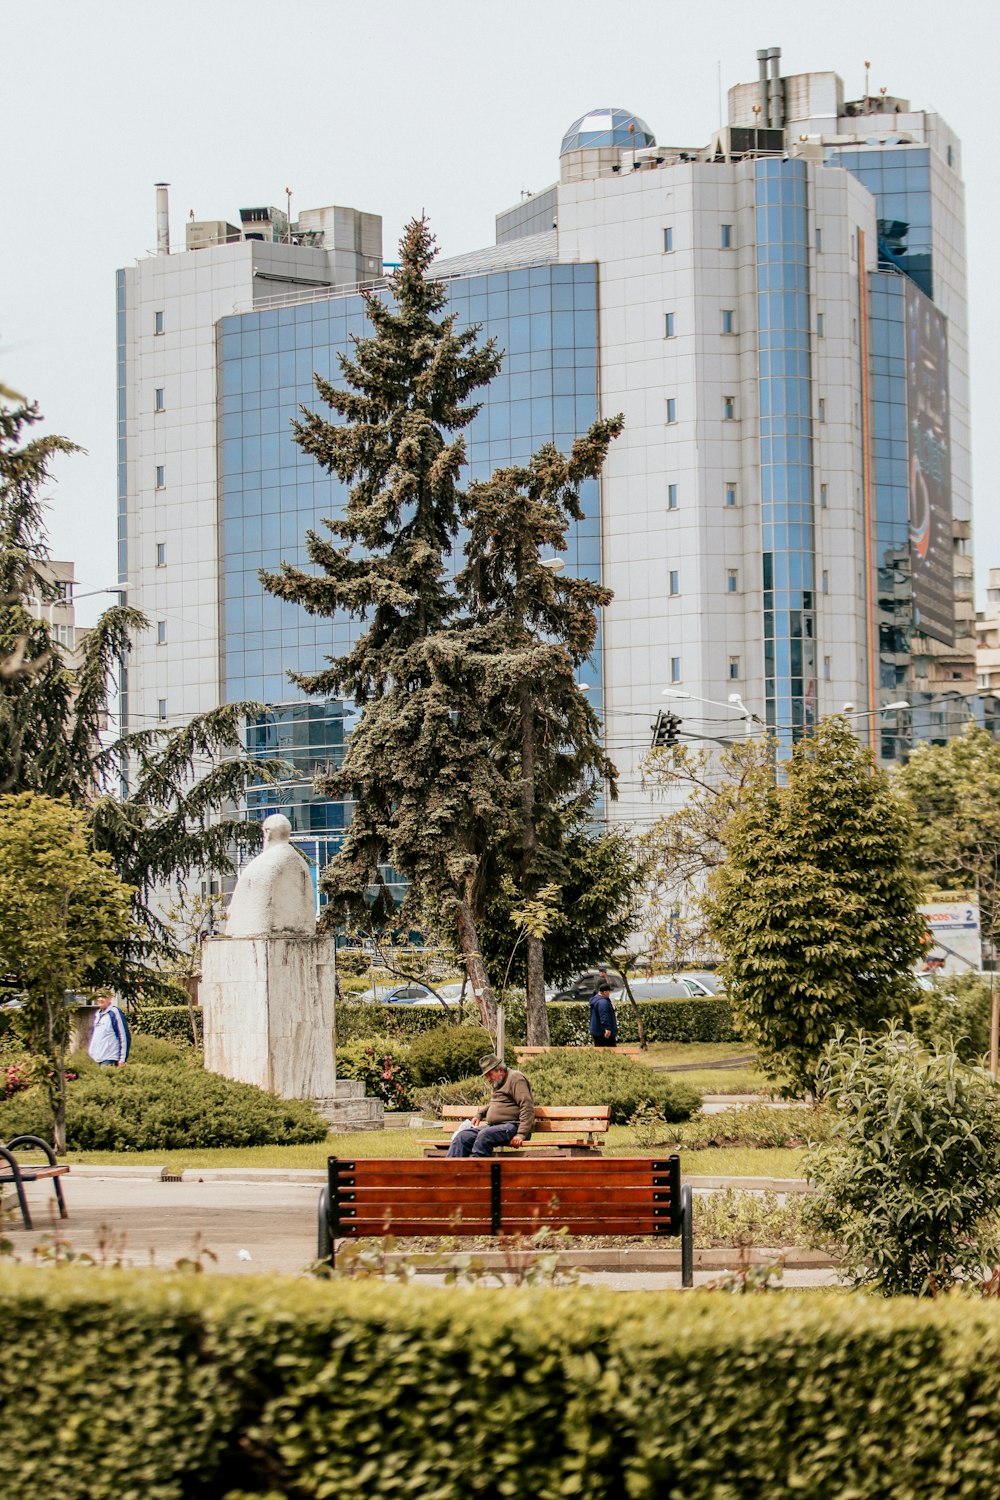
column 553, row 564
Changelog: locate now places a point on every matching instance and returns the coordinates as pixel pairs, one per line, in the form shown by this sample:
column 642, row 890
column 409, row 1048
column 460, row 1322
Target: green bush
column 259, row 1387
column 382, row 1067
column 956, row 1013
column 170, row 1022
column 474, row 1091
column 146, row 1107
column 759, row 1126
column 909, row 1183
column 449, row 1053
column 158, row 1052
column 596, row 1075
column 707, row 1020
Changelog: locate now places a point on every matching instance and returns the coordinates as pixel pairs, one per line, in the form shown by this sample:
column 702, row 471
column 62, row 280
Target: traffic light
column 665, row 730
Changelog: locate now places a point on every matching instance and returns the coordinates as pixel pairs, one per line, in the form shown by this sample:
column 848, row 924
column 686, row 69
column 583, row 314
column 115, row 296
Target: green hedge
column 708, row 1020
column 143, row 1387
column 159, row 1106
column 172, row 1023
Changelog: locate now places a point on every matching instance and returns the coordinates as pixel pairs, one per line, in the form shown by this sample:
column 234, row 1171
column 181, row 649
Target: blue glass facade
column 544, row 317
column 899, row 179
column 786, row 451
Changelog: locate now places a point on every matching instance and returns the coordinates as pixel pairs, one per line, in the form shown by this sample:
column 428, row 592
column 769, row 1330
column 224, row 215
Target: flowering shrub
column 16, row 1076
column 380, row 1068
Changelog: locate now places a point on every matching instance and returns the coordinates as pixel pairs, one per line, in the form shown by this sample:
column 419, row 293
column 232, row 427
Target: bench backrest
column 550, row 1119
column 504, row 1195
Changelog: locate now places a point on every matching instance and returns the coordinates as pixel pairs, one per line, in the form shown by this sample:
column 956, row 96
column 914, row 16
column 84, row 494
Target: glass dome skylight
column 607, row 127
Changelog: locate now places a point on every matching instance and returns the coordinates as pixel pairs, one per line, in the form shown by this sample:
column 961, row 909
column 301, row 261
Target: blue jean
column 484, row 1141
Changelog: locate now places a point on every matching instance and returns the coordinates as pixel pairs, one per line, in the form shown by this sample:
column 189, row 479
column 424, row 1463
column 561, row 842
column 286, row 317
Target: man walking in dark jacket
column 603, row 1021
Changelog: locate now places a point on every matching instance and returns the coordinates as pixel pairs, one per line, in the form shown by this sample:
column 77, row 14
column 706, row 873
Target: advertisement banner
column 929, row 454
column 954, row 940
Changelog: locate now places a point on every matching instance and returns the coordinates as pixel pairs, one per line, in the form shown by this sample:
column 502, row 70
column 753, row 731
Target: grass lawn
column 734, row 1161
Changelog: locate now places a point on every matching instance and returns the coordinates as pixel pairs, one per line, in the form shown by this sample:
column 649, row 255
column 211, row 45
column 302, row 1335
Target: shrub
column 601, row 1076
column 229, row 1386
column 381, row 1066
column 358, row 1020
column 742, row 1219
column 170, row 1022
column 956, row 1013
column 449, row 1053
column 472, row 1091
column 758, row 1126
column 702, row 1020
column 160, row 1053
column 909, row 1183
column 145, row 1107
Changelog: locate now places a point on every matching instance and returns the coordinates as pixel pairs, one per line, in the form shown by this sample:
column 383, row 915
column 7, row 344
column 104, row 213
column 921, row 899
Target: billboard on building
column 953, row 944
column 929, row 453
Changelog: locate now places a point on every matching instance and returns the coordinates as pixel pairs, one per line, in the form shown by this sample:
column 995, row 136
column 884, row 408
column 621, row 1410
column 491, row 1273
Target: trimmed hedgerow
column 172, row 1023
column 262, row 1387
column 707, row 1020
column 152, row 1107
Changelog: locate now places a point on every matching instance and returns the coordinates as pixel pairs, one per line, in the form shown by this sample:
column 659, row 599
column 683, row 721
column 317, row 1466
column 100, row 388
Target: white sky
column 448, row 106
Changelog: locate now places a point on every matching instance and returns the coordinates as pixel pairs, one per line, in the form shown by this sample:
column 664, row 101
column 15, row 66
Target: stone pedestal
column 348, row 1109
column 268, row 1013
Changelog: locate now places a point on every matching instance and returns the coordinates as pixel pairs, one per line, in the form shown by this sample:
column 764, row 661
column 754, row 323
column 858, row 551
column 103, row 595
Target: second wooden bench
column 576, row 1125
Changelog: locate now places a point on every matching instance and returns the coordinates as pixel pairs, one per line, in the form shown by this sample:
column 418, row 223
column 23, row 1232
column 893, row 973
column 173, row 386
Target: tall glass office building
column 786, row 521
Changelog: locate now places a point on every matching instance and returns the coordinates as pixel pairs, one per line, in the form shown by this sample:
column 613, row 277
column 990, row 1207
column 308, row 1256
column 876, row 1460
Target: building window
column 161, row 709
column 726, row 236
column 675, row 669
column 668, row 239
column 161, row 476
column 161, row 632
column 823, row 497
column 161, row 554
column 734, row 668
column 728, row 408
column 668, row 325
column 671, row 497
column 730, row 492
column 157, row 322
column 950, row 155
column 159, row 399
column 822, row 409
column 675, row 582
column 64, row 588
column 732, row 580
column 819, row 240
column 826, row 581
column 671, row 409
column 826, row 669
column 854, row 330
column 819, row 325
column 728, row 320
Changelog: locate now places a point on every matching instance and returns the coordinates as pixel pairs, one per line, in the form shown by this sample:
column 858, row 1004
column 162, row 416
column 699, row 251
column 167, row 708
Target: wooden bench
column 580, row 1123
column 527, row 1052
column 12, row 1170
column 512, row 1195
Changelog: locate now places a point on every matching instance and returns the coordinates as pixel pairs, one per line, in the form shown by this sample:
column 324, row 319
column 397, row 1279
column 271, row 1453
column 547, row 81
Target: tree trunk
column 468, row 938
column 538, row 1016
column 639, row 1022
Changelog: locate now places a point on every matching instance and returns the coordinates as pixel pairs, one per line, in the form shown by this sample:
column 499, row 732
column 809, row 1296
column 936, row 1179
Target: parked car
column 670, row 987
column 711, row 982
column 585, row 985
column 419, row 994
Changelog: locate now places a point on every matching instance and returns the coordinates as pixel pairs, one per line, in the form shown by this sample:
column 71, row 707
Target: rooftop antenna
column 867, row 66
column 288, row 216
column 162, row 219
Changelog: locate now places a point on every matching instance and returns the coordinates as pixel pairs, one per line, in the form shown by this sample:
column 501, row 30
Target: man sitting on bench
column 508, row 1118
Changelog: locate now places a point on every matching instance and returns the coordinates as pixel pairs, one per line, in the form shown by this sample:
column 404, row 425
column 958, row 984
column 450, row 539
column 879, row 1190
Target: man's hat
column 491, row 1061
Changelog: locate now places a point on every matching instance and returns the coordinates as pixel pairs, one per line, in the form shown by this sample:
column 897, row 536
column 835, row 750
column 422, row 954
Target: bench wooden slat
column 507, row 1196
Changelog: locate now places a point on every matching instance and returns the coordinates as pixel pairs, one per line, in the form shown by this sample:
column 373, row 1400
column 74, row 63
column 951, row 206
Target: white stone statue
column 274, row 894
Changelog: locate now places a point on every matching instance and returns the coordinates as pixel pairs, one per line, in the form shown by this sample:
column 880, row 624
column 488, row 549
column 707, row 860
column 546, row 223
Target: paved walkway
column 265, row 1220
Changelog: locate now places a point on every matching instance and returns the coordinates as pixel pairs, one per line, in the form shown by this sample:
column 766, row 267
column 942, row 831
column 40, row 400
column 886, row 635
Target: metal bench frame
column 427, row 1198
column 21, row 1172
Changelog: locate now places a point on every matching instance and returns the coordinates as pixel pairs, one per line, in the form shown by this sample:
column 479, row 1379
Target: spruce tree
column 427, row 799
column 535, row 630
column 815, row 908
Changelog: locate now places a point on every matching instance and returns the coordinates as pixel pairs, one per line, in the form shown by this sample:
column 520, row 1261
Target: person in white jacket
column 108, row 1040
